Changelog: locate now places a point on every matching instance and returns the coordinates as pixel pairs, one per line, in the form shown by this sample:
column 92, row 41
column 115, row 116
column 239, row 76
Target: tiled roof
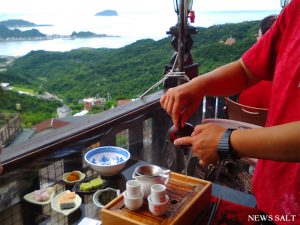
column 50, row 123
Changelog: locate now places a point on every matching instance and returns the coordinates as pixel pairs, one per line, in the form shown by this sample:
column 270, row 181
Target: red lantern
column 192, row 16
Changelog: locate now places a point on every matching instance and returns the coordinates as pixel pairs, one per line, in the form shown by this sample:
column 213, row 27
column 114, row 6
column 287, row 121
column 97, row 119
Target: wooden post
column 109, row 140
column 161, row 123
column 136, row 140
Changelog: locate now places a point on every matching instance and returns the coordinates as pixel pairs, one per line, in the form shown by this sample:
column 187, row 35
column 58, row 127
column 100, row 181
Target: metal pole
column 216, row 106
column 181, row 37
column 203, row 107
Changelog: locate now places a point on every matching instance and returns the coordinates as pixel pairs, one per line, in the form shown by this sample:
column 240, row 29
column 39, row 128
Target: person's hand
column 204, row 142
column 181, row 102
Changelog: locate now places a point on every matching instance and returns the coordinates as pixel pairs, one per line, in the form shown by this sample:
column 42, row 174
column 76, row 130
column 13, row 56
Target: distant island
column 20, row 23
column 88, row 34
column 107, row 13
column 7, row 34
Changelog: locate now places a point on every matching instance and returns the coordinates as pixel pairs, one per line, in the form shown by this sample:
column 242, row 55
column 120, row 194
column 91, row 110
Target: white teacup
column 158, row 209
column 133, row 188
column 133, row 203
column 158, row 193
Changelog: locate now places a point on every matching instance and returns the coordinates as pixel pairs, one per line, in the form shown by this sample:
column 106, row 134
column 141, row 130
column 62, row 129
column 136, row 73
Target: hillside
column 17, row 23
column 20, row 23
column 16, row 33
column 87, row 34
column 33, row 110
column 125, row 72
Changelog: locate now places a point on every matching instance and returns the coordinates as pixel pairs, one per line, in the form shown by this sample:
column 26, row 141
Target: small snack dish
column 133, row 203
column 104, row 196
column 73, row 176
column 66, row 202
column 41, row 197
column 158, row 209
column 107, row 160
column 89, row 185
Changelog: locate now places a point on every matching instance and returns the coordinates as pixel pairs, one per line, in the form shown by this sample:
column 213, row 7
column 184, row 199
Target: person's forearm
column 226, row 80
column 279, row 143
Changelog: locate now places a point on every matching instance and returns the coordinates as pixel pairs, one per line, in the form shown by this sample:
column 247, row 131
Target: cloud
column 38, row 6
column 229, row 5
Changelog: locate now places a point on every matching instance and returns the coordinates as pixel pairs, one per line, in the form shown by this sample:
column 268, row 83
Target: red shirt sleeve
column 261, row 58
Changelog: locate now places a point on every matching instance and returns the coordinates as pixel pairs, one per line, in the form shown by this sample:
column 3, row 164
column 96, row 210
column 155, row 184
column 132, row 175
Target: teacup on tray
column 133, row 203
column 158, row 209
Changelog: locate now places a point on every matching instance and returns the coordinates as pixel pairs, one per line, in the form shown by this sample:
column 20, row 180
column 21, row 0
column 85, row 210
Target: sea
column 124, row 29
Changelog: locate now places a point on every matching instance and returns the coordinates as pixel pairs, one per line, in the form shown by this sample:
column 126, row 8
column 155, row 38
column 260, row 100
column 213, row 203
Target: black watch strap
column 225, row 150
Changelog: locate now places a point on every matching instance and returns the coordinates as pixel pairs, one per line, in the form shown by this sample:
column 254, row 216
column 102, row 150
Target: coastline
column 121, row 30
column 54, row 36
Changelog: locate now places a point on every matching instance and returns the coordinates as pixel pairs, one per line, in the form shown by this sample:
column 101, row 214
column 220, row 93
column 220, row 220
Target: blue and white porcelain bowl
column 107, row 160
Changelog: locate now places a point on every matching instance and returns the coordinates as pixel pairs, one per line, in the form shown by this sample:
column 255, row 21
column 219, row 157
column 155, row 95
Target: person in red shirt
column 259, row 94
column 276, row 57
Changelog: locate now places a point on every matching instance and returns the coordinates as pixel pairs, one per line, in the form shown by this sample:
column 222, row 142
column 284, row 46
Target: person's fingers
column 176, row 113
column 170, row 105
column 183, row 141
column 185, row 116
column 1, row 169
column 162, row 101
column 198, row 129
column 202, row 163
column 165, row 100
column 175, row 119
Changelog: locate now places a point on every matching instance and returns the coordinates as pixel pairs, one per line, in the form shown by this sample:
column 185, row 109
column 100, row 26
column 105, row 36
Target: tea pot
column 148, row 175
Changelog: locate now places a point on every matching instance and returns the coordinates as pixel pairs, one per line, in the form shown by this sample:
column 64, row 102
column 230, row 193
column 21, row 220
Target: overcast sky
column 24, row 6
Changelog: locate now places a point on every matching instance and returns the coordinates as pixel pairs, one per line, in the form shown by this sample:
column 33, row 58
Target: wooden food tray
column 189, row 196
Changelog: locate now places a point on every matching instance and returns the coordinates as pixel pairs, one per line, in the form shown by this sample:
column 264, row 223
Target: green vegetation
column 27, row 90
column 125, row 72
column 33, row 110
column 17, row 23
column 3, row 60
column 16, row 33
column 86, row 34
column 20, row 23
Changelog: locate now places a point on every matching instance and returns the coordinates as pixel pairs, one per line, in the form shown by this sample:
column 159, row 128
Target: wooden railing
column 140, row 117
column 103, row 128
column 12, row 125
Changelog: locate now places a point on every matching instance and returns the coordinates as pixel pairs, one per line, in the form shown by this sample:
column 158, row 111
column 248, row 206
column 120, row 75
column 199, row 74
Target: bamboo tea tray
column 189, row 196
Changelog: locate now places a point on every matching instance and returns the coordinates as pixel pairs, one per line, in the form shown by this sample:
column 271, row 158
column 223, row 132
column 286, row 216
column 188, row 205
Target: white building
column 63, row 111
column 89, row 102
column 5, row 86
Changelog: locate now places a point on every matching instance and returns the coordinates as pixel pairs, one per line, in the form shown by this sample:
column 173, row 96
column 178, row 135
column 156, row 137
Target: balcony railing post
column 108, row 140
column 135, row 137
column 160, row 126
column 73, row 161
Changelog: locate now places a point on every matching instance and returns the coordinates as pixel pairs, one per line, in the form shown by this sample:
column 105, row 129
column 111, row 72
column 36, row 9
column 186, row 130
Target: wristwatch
column 224, row 149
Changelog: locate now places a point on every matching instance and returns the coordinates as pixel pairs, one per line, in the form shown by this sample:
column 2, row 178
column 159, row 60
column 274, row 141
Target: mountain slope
column 124, row 72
